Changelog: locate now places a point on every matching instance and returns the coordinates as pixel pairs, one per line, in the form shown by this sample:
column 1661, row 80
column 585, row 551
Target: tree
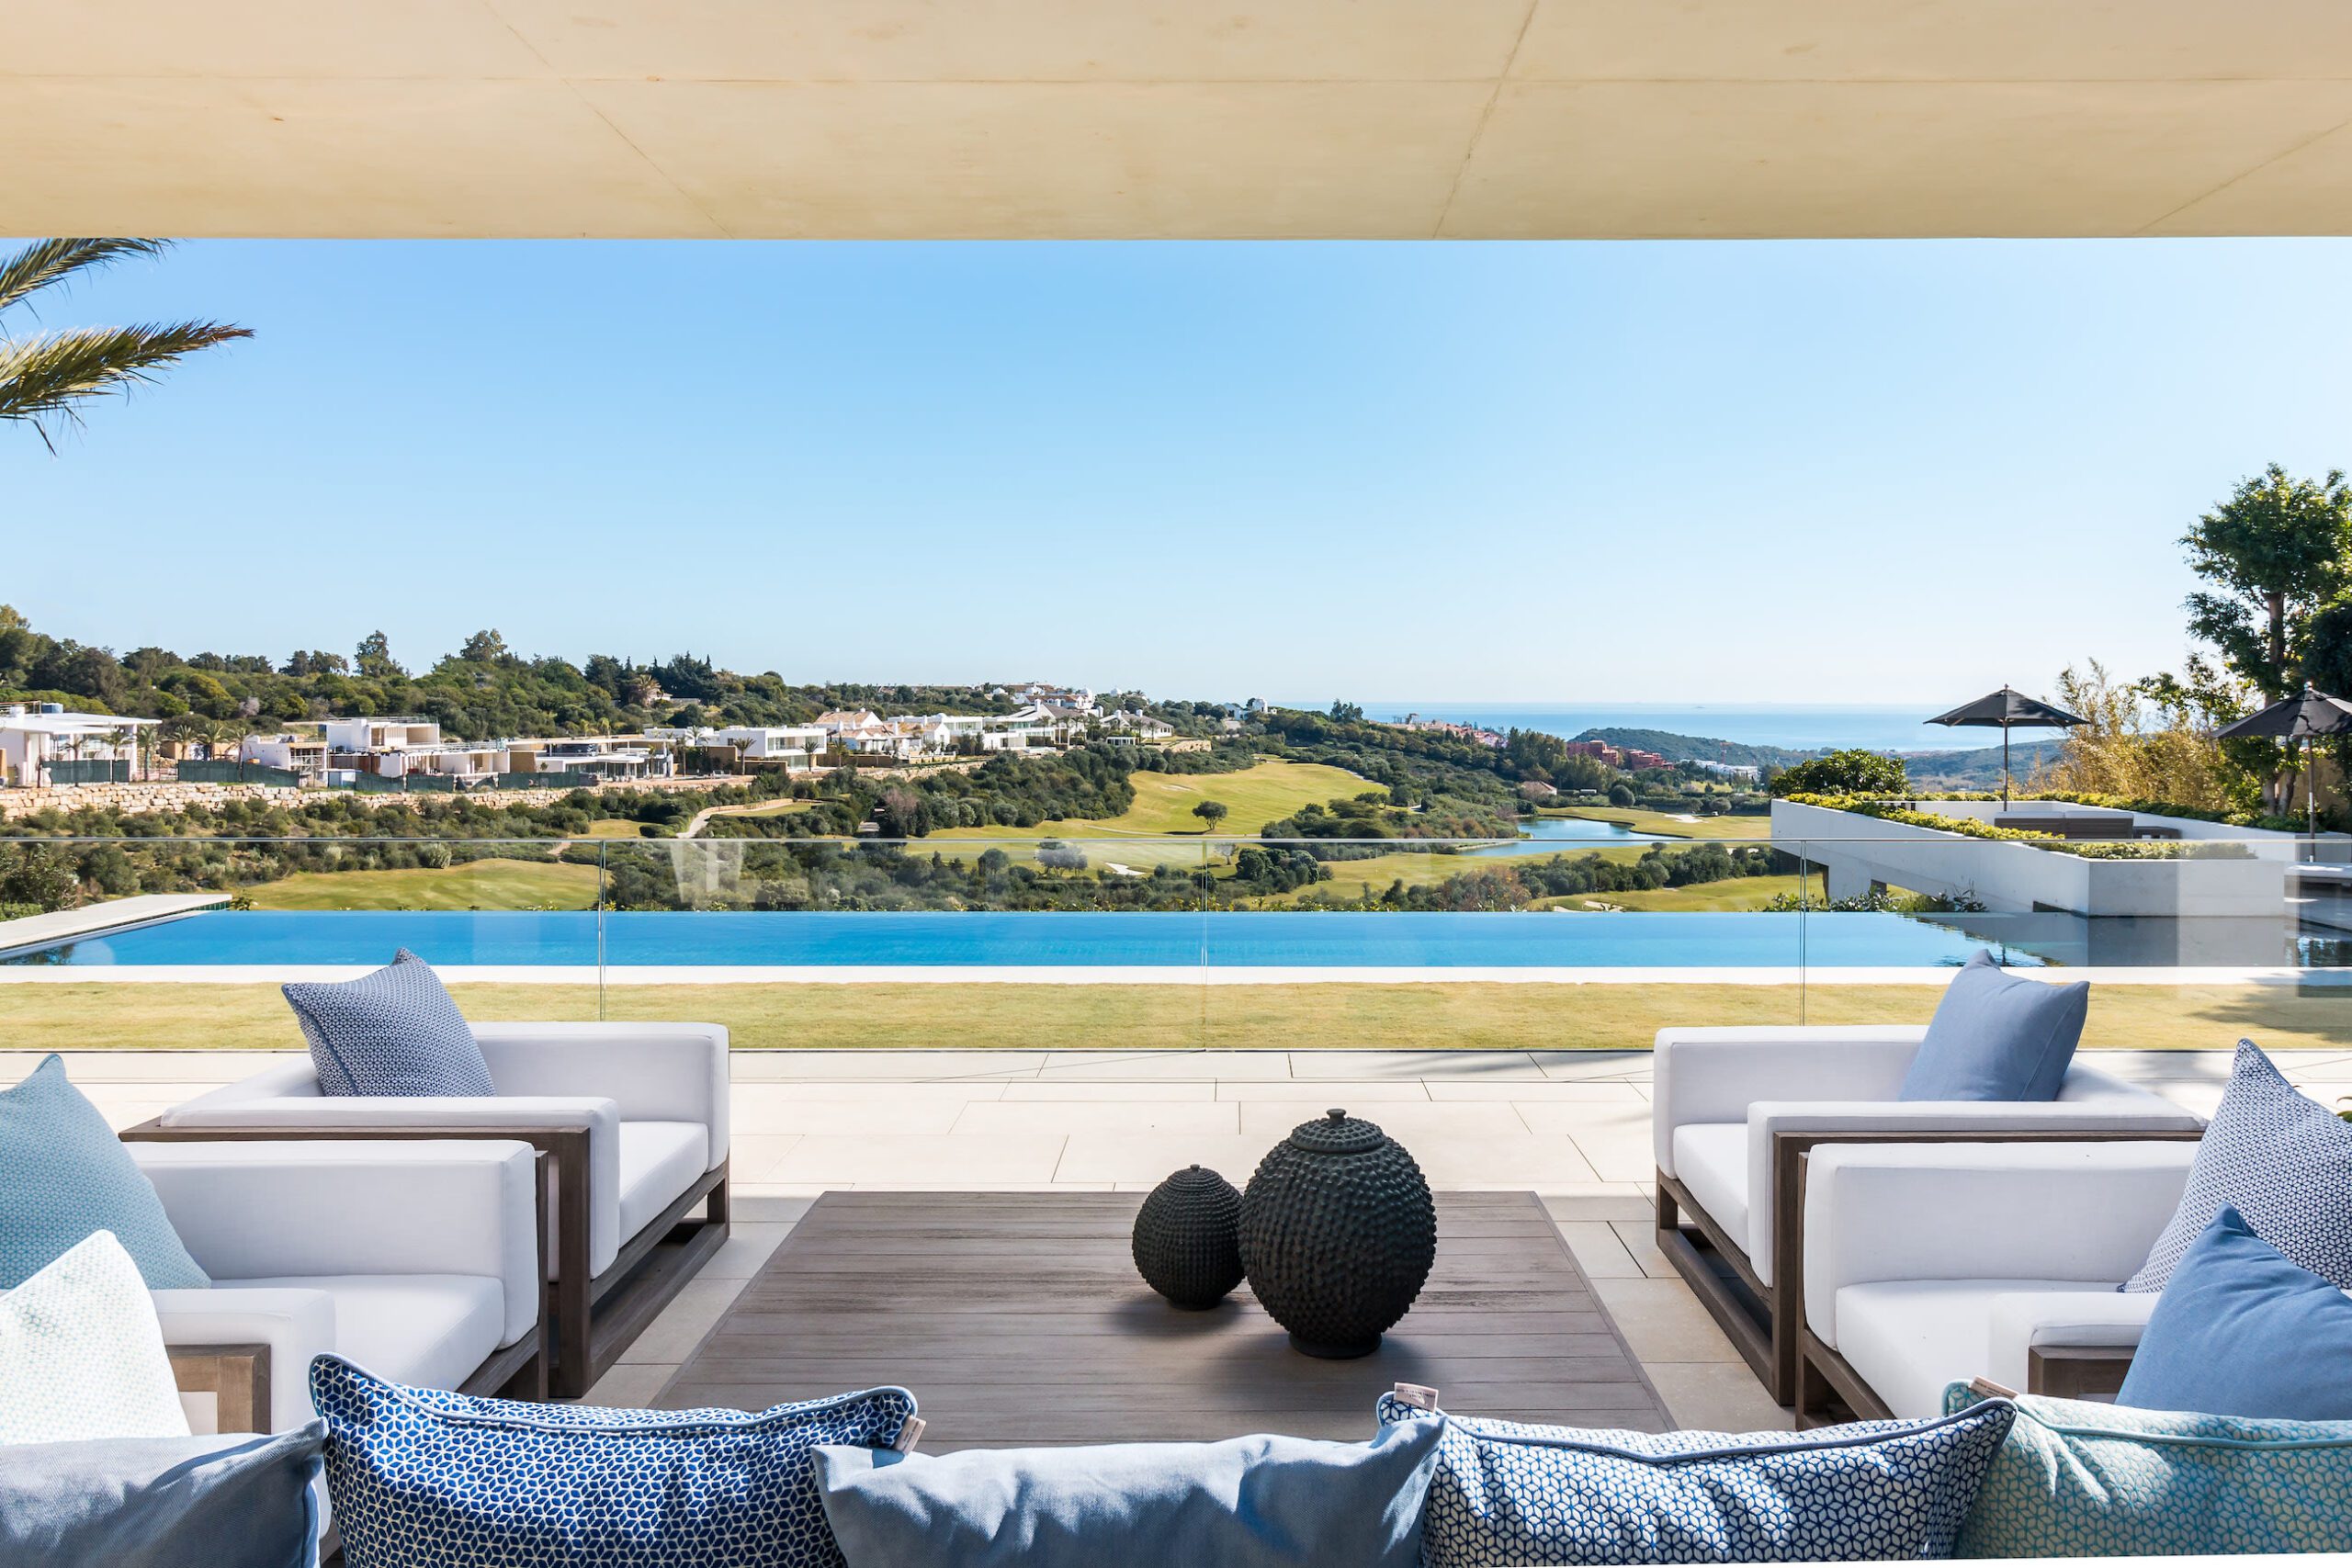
column 1620, row 795
column 1844, row 772
column 1212, row 812
column 2275, row 551
column 46, row 377
column 374, row 657
column 483, row 647
column 1348, row 713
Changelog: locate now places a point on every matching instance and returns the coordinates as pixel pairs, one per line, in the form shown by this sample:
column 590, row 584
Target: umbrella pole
column 2005, row 767
column 2311, row 793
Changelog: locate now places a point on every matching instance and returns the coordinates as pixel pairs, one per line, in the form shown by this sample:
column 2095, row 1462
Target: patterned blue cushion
column 394, row 1032
column 64, row 1175
column 424, row 1478
column 2082, row 1479
column 1997, row 1036
column 1508, row 1493
column 2282, row 1161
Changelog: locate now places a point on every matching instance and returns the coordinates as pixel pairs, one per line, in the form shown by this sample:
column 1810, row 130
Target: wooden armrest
column 2077, row 1372
column 237, row 1376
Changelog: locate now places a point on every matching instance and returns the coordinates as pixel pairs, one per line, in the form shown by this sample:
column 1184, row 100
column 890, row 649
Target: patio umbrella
column 2009, row 710
column 2313, row 712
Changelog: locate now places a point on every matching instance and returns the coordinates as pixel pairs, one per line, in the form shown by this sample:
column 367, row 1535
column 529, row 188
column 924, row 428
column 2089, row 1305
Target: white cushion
column 1909, row 1339
column 1711, row 1158
column 659, row 1161
column 427, row 1330
column 81, row 1354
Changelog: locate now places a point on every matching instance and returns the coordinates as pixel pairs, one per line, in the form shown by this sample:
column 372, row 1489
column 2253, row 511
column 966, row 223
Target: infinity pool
column 1257, row 939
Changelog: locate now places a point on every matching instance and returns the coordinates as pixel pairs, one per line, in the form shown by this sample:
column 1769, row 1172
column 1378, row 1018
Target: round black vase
column 1184, row 1240
column 1338, row 1235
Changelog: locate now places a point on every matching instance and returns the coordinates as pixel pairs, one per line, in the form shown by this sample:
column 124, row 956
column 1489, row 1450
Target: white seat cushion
column 1711, row 1159
column 427, row 1330
column 659, row 1161
column 1908, row 1338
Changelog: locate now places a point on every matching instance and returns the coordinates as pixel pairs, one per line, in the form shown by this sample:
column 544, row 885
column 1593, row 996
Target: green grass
column 1732, row 893
column 477, row 884
column 1173, row 1016
column 1255, row 796
column 1668, row 826
column 1414, row 868
column 764, row 808
column 612, row 828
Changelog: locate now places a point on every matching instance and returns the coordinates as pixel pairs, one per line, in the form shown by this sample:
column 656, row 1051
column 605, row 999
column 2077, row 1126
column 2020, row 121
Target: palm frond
column 43, row 379
column 47, row 262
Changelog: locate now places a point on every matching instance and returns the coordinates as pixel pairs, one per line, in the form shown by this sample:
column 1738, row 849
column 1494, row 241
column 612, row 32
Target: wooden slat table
column 1017, row 1318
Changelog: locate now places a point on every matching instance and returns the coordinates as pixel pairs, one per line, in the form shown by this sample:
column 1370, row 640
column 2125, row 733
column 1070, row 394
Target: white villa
column 797, row 746
column 44, row 743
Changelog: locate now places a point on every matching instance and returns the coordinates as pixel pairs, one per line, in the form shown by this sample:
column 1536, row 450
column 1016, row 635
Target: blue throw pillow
column 1996, row 1036
column 2241, row 1330
column 419, row 1477
column 1257, row 1502
column 64, row 1175
column 2282, row 1161
column 162, row 1502
column 1509, row 1493
column 394, row 1032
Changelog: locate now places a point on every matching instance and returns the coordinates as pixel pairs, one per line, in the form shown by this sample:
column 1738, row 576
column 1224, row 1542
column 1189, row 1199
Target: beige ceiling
column 1289, row 118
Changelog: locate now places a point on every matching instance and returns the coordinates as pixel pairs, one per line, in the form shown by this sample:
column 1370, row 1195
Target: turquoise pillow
column 1256, row 1502
column 64, row 1175
column 163, row 1502
column 2081, row 1480
column 1995, row 1036
column 2243, row 1330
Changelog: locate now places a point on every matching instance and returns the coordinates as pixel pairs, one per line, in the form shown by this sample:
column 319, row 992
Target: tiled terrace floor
column 1572, row 1126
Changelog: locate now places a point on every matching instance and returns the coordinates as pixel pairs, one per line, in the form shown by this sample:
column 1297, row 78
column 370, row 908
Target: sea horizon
column 1800, row 727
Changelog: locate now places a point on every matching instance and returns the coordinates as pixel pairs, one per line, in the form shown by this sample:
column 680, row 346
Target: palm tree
column 46, row 377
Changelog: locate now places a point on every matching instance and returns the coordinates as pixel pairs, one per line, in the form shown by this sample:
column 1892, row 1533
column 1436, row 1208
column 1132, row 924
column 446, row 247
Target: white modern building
column 796, row 746
column 294, row 752
column 43, row 744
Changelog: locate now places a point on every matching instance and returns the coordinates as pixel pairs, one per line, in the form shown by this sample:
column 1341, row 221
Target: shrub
column 1844, row 772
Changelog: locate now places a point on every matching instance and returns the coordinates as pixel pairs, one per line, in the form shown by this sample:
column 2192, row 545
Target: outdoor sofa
column 1931, row 1263
column 418, row 1258
column 1735, row 1110
column 632, row 1118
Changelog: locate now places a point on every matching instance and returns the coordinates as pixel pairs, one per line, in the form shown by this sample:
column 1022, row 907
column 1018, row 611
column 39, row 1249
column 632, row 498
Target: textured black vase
column 1338, row 1234
column 1185, row 1239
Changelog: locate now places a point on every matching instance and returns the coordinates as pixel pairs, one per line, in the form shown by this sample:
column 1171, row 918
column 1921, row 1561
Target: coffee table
column 1017, row 1318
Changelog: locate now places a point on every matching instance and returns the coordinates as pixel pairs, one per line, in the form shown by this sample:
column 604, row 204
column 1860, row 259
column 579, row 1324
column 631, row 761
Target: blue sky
column 1817, row 472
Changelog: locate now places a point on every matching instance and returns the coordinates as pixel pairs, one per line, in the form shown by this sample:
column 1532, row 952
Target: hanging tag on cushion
column 910, row 1435
column 1418, row 1395
column 1991, row 1389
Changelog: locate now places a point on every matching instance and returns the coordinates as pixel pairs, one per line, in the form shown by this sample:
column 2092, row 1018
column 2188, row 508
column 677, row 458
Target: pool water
column 1272, row 938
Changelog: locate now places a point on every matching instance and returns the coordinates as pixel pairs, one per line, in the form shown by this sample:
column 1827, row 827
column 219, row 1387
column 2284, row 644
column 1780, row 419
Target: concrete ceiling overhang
column 1176, row 119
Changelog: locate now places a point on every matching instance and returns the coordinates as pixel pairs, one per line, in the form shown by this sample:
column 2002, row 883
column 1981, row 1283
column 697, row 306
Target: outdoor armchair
column 1735, row 1109
column 417, row 1259
column 1927, row 1264
column 633, row 1118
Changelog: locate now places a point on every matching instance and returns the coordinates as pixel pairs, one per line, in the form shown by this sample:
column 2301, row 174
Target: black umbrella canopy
column 2300, row 717
column 2010, row 709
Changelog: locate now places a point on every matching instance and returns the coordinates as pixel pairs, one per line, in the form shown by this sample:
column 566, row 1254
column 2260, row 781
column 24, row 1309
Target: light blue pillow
column 2241, row 1330
column 1257, row 1502
column 162, row 1502
column 64, row 1175
column 2083, row 1479
column 2282, row 1161
column 1508, row 1493
column 1996, row 1036
column 394, row 1032
column 419, row 1477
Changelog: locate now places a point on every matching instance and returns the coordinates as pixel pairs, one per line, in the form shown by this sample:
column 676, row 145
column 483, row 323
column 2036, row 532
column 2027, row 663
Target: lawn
column 1414, row 868
column 1732, row 893
column 613, row 828
column 1758, row 828
column 476, row 885
column 1256, row 796
column 1438, row 1016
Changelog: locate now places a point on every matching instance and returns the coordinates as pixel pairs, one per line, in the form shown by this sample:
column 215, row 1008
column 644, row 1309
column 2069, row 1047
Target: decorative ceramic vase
column 1338, row 1235
column 1185, row 1239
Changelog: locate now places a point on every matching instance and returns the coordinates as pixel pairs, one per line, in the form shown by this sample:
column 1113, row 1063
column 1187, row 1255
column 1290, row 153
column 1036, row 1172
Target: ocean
column 1798, row 727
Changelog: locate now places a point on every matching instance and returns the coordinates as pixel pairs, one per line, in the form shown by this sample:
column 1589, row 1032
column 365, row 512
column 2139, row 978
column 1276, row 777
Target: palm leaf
column 47, row 262
column 44, row 379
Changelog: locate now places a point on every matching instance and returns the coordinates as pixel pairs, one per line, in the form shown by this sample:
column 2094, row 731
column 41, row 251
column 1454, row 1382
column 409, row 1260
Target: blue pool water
column 1258, row 938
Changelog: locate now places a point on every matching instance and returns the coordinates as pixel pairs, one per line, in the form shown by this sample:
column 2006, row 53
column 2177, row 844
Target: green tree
column 1844, row 772
column 47, row 377
column 373, row 658
column 1620, row 795
column 1348, row 713
column 2275, row 552
column 1212, row 812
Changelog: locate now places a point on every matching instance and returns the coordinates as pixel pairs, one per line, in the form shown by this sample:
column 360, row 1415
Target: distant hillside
column 1977, row 769
column 1697, row 747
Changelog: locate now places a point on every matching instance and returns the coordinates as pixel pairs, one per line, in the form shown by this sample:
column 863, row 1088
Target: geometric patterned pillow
column 82, row 1356
column 1508, row 1492
column 425, row 1479
column 2083, row 1479
column 392, row 1032
column 2282, row 1161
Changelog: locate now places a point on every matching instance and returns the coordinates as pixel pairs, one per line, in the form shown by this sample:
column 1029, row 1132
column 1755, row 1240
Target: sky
column 1840, row 472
